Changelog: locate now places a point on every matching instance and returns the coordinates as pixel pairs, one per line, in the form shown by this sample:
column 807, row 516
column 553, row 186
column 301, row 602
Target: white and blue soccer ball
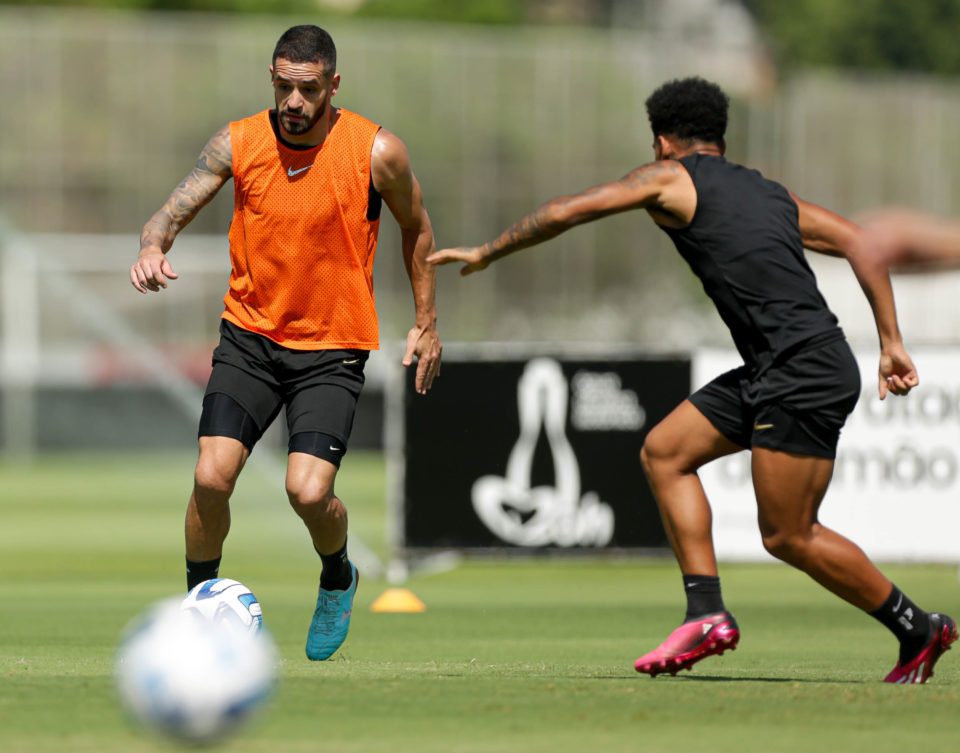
column 192, row 673
column 225, row 602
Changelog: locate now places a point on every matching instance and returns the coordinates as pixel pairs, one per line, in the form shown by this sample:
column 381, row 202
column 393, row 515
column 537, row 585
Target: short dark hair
column 691, row 109
column 307, row 44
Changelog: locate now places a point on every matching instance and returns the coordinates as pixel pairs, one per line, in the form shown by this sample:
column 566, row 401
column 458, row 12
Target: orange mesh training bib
column 301, row 245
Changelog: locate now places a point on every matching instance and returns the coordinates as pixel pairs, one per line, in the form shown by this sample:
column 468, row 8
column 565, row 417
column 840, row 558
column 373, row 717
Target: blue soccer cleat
column 331, row 620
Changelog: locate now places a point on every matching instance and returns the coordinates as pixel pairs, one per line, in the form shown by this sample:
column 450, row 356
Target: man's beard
column 300, row 127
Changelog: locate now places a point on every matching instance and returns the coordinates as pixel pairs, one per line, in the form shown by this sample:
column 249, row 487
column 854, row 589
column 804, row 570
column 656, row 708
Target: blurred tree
column 497, row 12
column 463, row 11
column 905, row 35
column 466, row 11
column 239, row 6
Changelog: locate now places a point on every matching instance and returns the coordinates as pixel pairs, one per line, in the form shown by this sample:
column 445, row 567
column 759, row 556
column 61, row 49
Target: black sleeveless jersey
column 744, row 244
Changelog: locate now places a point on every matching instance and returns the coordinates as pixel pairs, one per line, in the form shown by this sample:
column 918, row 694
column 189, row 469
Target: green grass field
column 525, row 656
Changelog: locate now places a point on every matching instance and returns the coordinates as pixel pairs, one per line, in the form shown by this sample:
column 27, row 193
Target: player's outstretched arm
column 829, row 233
column 646, row 187
column 393, row 177
column 911, row 241
column 214, row 167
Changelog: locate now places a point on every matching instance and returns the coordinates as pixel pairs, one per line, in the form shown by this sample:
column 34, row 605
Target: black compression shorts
column 318, row 387
column 798, row 404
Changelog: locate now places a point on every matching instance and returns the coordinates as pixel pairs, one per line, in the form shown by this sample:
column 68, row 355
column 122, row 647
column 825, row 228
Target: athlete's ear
column 271, row 73
column 723, row 147
column 662, row 148
column 334, row 83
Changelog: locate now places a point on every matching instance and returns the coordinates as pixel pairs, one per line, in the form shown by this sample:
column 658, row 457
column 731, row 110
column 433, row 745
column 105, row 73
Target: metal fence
column 110, row 110
column 106, row 111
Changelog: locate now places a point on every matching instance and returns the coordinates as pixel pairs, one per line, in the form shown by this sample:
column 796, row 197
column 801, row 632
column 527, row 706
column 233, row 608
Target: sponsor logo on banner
column 601, row 404
column 535, row 451
column 553, row 515
column 897, row 468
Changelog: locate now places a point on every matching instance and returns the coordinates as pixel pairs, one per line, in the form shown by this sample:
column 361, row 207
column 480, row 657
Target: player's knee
column 310, row 496
column 646, row 460
column 657, row 454
column 213, row 479
column 788, row 546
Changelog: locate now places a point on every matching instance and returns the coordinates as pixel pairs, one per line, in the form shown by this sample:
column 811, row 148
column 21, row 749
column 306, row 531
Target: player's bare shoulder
column 660, row 172
column 389, row 160
column 676, row 195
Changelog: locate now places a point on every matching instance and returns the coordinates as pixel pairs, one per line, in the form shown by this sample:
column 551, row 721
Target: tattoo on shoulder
column 651, row 172
column 217, row 155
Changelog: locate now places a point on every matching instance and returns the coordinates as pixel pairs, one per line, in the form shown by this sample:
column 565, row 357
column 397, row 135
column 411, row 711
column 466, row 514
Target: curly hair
column 307, row 44
column 690, row 109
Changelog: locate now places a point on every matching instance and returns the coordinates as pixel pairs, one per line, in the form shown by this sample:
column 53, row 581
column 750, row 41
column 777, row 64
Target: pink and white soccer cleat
column 920, row 668
column 690, row 643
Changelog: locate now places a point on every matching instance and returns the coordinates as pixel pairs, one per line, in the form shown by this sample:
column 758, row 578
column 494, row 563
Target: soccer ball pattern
column 191, row 677
column 225, row 602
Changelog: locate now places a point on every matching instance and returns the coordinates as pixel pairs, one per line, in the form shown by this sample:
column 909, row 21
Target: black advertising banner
column 536, row 454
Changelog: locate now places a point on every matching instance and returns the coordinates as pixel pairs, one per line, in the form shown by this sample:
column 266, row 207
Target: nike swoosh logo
column 336, row 449
column 899, row 602
column 291, row 172
column 759, row 427
column 351, row 361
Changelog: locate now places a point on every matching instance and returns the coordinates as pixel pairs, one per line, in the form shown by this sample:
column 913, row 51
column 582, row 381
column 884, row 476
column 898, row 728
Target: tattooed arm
column 660, row 187
column 214, row 167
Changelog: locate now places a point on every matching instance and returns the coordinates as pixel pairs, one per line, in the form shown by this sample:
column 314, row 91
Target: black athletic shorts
column 797, row 404
column 253, row 377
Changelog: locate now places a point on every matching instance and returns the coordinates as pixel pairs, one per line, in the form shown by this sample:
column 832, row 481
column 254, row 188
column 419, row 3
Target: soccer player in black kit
column 743, row 236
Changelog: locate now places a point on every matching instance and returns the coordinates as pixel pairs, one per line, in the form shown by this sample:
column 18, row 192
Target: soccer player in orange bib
column 299, row 318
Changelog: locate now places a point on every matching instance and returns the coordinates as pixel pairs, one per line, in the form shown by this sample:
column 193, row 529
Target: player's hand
column 151, row 270
column 424, row 344
column 471, row 256
column 897, row 372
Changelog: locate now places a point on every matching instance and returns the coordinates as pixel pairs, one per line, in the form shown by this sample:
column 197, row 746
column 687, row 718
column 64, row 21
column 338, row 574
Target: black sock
column 336, row 574
column 905, row 620
column 703, row 596
column 198, row 572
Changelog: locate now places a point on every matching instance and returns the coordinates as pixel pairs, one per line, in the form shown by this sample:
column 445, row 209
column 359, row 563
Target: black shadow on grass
column 717, row 678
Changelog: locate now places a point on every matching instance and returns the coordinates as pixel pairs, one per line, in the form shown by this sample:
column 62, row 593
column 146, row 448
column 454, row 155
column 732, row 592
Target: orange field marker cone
column 397, row 600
